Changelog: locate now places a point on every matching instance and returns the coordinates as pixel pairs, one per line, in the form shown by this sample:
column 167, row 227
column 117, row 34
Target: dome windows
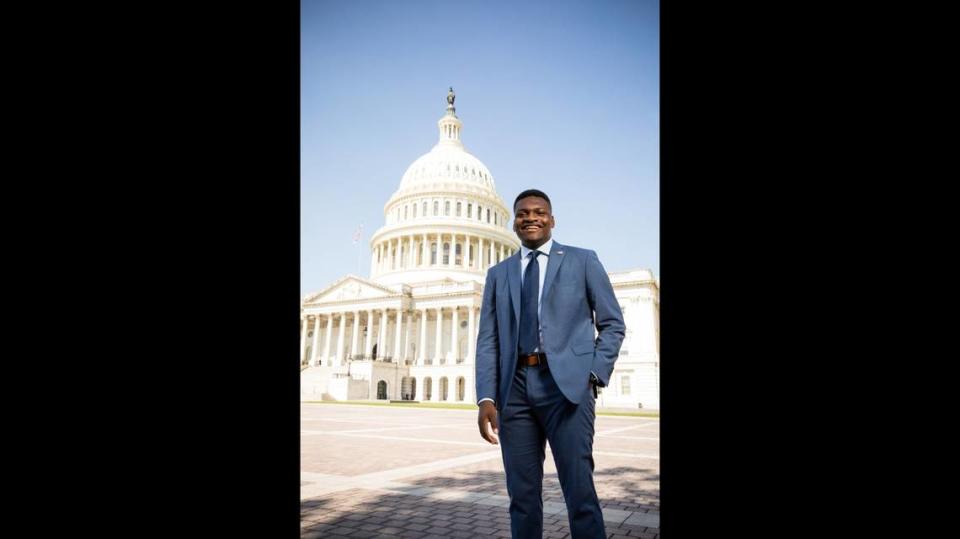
column 446, row 208
column 458, row 209
column 469, row 210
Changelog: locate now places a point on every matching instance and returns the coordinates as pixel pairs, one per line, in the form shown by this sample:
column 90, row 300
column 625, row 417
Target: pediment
column 350, row 288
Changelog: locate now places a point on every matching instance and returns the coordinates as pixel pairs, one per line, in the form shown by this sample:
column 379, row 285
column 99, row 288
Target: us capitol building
column 408, row 332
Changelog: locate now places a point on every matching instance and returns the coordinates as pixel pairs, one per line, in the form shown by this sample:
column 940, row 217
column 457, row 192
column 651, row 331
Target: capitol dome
column 446, row 219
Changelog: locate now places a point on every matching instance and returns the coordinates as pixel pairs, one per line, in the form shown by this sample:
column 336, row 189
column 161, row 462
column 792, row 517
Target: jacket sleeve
column 607, row 316
column 488, row 342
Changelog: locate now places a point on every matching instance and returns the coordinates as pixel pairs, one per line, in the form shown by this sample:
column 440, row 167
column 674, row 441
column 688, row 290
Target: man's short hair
column 532, row 193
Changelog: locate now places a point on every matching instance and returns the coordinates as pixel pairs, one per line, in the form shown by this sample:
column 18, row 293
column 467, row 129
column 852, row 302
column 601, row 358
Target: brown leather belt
column 533, row 360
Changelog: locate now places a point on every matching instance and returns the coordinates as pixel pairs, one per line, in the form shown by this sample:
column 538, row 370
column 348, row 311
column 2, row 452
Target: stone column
column 373, row 263
column 471, row 336
column 356, row 334
column 328, row 356
column 406, row 338
column 382, row 334
column 454, row 340
column 367, row 348
column 422, row 347
column 398, row 344
column 439, row 350
column 303, row 338
column 340, row 336
column 316, row 341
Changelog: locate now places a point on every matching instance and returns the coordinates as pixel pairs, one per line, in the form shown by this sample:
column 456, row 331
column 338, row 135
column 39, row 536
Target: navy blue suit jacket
column 577, row 296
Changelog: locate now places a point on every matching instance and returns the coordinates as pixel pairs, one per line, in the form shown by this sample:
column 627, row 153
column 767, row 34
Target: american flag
column 358, row 234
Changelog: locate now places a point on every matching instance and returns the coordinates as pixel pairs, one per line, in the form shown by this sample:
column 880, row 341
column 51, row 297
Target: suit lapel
column 513, row 279
column 553, row 266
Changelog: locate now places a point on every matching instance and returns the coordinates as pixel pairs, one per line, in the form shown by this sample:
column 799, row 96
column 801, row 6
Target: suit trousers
column 536, row 412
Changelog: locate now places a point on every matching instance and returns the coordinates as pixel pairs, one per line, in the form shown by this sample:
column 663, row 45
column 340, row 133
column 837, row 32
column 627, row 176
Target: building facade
column 408, row 332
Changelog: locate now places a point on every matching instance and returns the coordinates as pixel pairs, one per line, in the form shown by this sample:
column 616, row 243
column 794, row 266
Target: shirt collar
column 545, row 249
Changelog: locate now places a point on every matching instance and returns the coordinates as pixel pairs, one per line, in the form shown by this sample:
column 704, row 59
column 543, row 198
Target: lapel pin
column 559, row 252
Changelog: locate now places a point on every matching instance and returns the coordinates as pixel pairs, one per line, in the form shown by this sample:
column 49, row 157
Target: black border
column 177, row 254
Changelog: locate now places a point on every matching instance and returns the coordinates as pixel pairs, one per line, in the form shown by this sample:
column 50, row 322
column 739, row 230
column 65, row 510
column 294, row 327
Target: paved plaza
column 395, row 472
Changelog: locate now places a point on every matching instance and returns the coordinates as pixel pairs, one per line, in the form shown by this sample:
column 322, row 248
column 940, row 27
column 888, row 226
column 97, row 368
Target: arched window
column 381, row 390
column 405, row 209
column 424, row 208
column 433, row 254
column 458, row 209
column 446, row 253
column 414, row 210
column 427, row 388
column 446, row 208
column 495, row 214
column 408, row 388
column 488, row 215
column 469, row 210
column 479, row 212
column 436, row 207
column 459, row 258
column 443, row 388
column 461, row 388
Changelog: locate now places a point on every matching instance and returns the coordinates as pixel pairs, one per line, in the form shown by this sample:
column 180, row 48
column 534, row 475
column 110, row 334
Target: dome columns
column 461, row 251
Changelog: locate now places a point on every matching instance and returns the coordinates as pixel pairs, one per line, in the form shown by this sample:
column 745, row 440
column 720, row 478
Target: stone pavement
column 391, row 472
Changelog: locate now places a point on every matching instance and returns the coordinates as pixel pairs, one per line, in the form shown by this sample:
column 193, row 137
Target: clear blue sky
column 562, row 96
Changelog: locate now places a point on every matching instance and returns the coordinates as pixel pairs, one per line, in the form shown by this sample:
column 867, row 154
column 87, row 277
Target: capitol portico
column 408, row 332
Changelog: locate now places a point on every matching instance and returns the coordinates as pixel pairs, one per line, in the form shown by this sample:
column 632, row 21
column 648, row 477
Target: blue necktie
column 529, row 296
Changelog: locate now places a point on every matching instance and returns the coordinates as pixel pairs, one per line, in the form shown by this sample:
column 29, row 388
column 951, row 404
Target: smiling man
column 538, row 367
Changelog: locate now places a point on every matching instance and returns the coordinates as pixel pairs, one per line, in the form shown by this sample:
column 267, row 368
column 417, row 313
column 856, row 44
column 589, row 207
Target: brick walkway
column 417, row 473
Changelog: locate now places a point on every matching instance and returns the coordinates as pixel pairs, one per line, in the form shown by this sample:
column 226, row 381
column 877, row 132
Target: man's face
column 532, row 221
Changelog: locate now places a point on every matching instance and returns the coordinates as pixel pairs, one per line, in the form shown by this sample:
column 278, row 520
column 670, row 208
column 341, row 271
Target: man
column 538, row 366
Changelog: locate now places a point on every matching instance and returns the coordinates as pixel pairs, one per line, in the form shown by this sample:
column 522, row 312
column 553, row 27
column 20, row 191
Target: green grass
column 450, row 406
column 403, row 405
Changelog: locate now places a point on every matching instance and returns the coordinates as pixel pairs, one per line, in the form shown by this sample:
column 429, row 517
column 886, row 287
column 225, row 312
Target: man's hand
column 488, row 415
